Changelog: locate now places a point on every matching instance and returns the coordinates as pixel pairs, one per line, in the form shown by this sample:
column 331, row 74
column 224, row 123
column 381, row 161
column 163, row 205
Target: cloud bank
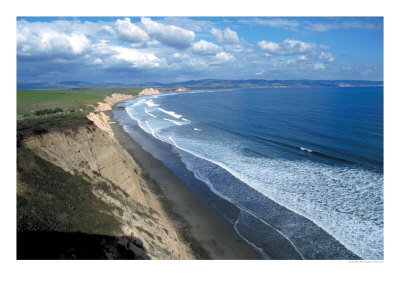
column 168, row 49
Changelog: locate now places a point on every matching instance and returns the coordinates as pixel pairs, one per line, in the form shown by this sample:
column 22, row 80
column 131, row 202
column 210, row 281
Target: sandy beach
column 208, row 234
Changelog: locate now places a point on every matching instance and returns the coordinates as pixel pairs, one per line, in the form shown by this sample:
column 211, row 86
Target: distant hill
column 210, row 84
column 260, row 83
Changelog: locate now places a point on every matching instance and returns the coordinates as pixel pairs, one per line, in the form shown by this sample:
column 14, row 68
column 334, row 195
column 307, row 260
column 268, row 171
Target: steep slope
column 90, row 159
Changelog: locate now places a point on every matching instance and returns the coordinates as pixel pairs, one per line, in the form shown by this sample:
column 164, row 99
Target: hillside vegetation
column 80, row 195
column 31, row 101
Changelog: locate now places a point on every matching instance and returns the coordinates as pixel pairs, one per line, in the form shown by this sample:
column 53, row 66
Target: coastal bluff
column 149, row 91
column 89, row 152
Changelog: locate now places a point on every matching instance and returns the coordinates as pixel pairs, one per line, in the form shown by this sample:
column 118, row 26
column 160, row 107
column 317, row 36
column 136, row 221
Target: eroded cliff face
column 108, row 102
column 149, row 91
column 92, row 152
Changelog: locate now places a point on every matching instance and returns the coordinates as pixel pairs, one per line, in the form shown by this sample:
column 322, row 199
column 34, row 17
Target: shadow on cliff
column 48, row 245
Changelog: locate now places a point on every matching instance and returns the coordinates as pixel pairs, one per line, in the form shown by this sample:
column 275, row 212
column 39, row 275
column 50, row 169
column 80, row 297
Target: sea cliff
column 90, row 152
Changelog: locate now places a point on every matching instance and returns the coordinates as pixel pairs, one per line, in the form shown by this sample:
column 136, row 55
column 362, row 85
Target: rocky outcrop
column 149, row 91
column 181, row 89
column 109, row 101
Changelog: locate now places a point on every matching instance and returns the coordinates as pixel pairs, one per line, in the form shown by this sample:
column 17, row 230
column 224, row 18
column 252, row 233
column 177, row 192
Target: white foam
column 305, row 149
column 151, row 129
column 141, row 101
column 149, row 113
column 172, row 140
column 249, row 242
column 173, row 121
column 171, row 113
column 150, row 103
column 147, row 129
column 344, row 201
column 186, row 120
column 212, row 187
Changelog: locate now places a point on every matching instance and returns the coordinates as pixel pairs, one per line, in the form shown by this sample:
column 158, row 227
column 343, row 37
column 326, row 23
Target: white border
column 198, row 279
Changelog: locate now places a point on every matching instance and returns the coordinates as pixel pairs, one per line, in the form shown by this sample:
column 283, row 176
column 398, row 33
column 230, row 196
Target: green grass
column 30, row 101
column 42, row 124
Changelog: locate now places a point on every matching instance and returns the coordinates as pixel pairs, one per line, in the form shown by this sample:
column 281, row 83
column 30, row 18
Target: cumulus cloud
column 127, row 48
column 134, row 57
column 326, row 56
column 168, row 35
column 319, row 66
column 37, row 39
column 106, row 29
column 130, row 32
column 287, row 47
column 227, row 36
column 223, row 57
column 205, row 48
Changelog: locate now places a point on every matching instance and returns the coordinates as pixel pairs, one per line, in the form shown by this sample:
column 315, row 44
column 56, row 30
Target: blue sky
column 134, row 50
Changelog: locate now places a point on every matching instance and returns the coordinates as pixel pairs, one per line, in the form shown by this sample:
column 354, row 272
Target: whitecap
column 175, row 122
column 171, row 113
column 150, row 103
column 149, row 113
column 305, row 149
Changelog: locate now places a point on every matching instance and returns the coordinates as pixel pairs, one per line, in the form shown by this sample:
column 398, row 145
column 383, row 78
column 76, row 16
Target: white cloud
column 326, row 56
column 38, row 39
column 168, row 35
column 302, row 58
column 130, row 32
column 97, row 61
column 223, row 57
column 205, row 48
column 319, row 66
column 273, row 22
column 78, row 42
column 227, row 36
column 133, row 57
column 287, row 47
column 107, row 29
column 324, row 27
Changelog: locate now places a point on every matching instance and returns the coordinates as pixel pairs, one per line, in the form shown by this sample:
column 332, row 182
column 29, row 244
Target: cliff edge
column 90, row 154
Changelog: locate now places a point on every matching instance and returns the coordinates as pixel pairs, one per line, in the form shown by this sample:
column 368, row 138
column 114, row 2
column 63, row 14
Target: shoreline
column 316, row 244
column 208, row 234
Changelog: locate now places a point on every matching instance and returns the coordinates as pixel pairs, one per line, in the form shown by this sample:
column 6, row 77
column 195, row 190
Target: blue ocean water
column 317, row 152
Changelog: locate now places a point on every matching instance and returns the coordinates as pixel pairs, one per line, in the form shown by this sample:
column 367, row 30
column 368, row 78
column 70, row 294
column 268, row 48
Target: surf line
column 248, row 242
column 258, row 218
column 245, row 210
column 269, row 225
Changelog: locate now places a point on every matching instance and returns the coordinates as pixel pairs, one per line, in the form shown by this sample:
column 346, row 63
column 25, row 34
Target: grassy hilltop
column 29, row 102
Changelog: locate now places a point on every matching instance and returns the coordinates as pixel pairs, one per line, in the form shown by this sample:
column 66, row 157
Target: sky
column 135, row 50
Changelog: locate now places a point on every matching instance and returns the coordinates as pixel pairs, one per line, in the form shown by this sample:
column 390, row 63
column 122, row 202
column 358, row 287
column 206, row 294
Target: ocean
column 303, row 165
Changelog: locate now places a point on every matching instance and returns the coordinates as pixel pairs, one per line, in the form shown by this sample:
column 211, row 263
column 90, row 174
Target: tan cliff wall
column 92, row 151
column 149, row 91
column 109, row 101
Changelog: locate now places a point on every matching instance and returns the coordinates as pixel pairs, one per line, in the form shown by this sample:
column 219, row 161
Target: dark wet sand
column 209, row 235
